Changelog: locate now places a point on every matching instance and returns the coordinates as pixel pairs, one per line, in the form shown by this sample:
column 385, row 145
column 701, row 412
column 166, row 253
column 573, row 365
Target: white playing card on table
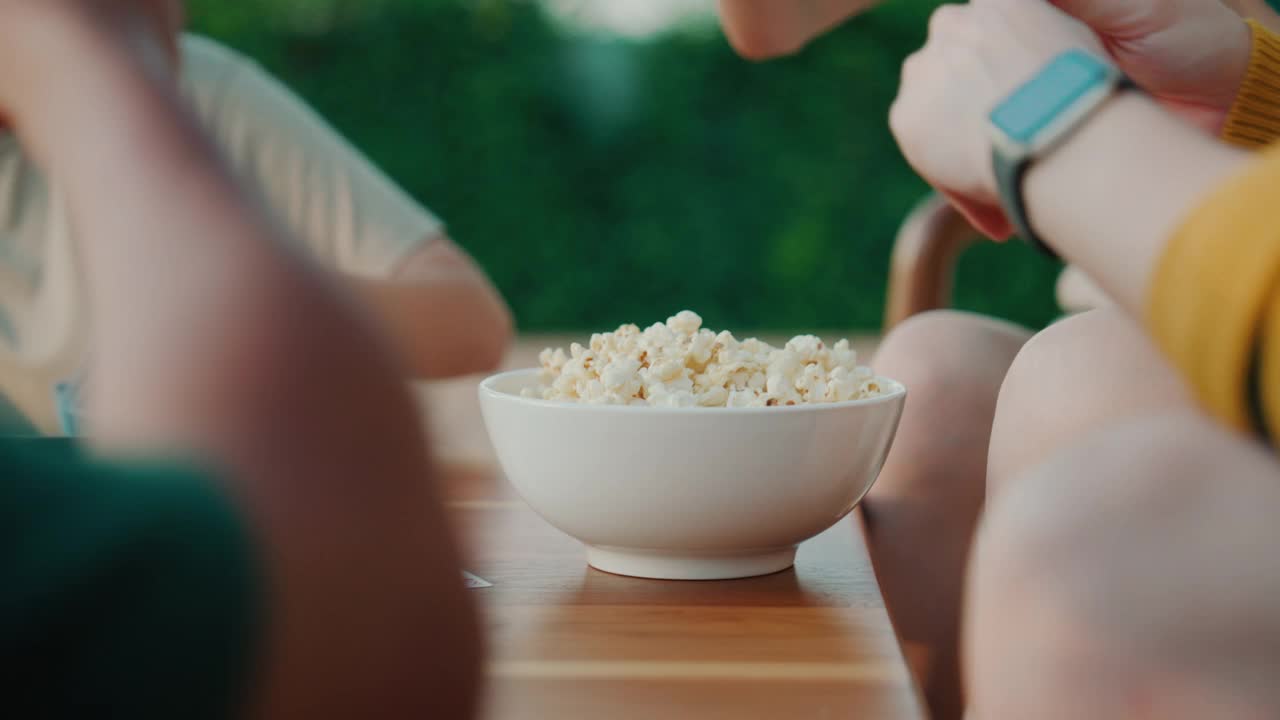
column 473, row 581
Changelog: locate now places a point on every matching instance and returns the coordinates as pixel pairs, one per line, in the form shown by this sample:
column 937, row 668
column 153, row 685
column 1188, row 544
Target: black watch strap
column 1010, row 176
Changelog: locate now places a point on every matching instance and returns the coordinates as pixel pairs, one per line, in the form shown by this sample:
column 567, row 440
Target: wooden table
column 571, row 643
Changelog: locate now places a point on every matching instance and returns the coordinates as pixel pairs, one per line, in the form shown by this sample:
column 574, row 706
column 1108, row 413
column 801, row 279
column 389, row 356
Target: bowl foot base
column 673, row 566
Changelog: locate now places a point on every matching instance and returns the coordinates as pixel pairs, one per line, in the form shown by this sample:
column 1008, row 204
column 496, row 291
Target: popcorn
column 680, row 364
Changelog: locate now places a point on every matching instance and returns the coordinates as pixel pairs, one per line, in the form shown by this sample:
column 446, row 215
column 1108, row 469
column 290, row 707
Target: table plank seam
column 684, row 670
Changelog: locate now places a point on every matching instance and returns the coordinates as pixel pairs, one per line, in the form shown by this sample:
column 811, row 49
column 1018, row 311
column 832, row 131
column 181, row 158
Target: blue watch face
column 1055, row 88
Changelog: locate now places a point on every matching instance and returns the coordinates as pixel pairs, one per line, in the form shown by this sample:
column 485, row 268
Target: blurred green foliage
column 601, row 179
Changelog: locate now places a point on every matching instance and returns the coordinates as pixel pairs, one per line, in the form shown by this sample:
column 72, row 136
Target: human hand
column 976, row 55
column 1191, row 55
column 763, row 29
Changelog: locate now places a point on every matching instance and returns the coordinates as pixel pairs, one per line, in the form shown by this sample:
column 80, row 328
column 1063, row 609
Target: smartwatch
column 1037, row 116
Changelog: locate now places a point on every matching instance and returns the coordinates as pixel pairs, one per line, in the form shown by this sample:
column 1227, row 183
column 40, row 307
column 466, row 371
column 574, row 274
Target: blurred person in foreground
column 445, row 315
column 255, row 530
column 1193, row 56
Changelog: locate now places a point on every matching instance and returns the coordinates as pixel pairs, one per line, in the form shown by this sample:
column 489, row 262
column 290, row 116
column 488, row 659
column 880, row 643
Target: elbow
column 468, row 327
column 479, row 338
column 494, row 335
column 490, row 324
column 488, row 329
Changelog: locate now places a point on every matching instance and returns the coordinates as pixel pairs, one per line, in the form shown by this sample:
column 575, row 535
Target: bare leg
column 1084, row 371
column 1133, row 575
column 921, row 514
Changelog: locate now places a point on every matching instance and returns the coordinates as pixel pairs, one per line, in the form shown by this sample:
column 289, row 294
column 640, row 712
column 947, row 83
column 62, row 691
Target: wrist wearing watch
column 1037, row 116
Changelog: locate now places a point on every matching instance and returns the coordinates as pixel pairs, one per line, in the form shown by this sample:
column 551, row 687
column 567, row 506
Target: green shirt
column 125, row 591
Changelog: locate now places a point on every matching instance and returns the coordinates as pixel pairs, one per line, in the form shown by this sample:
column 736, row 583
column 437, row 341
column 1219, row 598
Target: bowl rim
column 487, row 389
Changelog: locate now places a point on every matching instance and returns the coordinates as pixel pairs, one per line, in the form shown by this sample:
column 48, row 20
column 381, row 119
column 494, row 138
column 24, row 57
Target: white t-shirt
column 350, row 215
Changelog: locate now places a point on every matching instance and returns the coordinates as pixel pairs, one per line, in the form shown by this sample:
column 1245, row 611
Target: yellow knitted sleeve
column 1214, row 307
column 1254, row 119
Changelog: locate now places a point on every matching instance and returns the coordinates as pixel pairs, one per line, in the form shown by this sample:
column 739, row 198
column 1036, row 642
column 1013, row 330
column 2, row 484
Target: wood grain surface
column 567, row 642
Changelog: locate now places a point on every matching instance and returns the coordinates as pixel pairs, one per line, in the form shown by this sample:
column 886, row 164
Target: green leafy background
column 603, row 179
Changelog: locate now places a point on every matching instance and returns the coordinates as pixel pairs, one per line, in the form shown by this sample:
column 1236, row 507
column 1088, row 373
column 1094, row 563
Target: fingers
column 1089, row 11
column 1026, row 20
column 1110, row 17
column 947, row 19
column 987, row 218
column 975, row 54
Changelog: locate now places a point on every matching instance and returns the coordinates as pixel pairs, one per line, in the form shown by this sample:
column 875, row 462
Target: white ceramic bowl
column 692, row 493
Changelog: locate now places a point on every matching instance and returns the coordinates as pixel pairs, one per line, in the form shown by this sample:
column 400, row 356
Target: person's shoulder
column 232, row 90
column 201, row 55
column 209, row 69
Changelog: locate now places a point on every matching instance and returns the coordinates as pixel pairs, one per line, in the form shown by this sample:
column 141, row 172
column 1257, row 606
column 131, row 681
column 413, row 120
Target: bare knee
column 922, row 511
column 952, row 364
column 1134, row 565
column 948, row 347
column 1076, row 375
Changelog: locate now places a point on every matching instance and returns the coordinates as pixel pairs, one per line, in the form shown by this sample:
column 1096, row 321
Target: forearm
column 1111, row 197
column 442, row 313
column 1180, row 229
column 761, row 29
